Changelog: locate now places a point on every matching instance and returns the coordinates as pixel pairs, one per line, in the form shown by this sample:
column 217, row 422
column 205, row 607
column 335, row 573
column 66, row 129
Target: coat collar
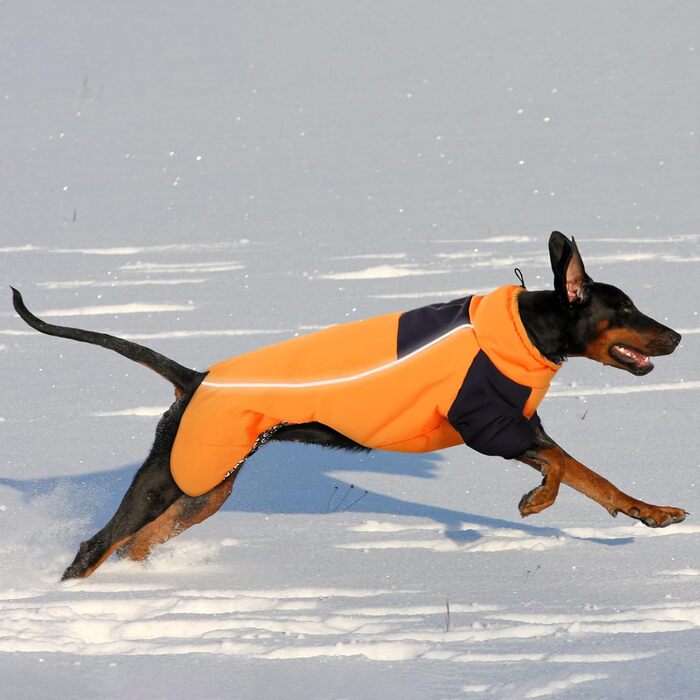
column 502, row 336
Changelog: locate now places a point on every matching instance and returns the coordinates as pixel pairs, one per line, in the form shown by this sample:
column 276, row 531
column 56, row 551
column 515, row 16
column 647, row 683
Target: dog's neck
column 545, row 321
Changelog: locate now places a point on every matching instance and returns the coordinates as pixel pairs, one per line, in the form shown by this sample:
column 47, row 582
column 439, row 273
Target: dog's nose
column 674, row 338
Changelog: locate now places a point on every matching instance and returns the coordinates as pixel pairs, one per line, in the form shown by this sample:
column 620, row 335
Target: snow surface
column 210, row 177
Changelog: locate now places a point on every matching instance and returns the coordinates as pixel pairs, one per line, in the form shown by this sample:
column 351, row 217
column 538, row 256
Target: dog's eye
column 627, row 307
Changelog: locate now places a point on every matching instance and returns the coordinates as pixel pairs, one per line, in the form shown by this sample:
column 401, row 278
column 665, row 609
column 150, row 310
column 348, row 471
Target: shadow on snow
column 297, row 479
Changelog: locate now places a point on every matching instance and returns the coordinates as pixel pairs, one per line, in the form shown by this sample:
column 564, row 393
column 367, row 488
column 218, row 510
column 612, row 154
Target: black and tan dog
column 487, row 409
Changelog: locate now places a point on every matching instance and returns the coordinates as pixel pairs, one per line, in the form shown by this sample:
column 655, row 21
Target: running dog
column 469, row 371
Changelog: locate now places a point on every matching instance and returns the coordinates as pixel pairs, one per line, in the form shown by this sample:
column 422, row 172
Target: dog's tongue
column 637, row 357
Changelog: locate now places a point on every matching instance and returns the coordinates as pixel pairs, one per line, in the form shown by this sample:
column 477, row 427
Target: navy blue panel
column 488, row 411
column 420, row 326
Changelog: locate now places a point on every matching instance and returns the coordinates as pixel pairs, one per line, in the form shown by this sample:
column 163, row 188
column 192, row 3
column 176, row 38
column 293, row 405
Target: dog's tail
column 182, row 377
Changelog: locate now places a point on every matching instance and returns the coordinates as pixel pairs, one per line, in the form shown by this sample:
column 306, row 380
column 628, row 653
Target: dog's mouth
column 632, row 360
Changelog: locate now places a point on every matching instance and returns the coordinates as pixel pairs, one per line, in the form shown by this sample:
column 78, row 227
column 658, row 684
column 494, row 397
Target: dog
column 472, row 370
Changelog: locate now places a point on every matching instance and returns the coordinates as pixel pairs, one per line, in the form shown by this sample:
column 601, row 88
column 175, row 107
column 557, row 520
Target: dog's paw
column 535, row 501
column 81, row 564
column 657, row 516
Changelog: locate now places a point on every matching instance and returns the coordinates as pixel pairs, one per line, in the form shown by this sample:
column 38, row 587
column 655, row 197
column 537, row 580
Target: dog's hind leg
column 185, row 512
column 191, row 510
column 152, row 491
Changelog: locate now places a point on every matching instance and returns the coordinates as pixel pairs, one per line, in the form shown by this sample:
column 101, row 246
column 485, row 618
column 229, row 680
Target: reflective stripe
column 339, row 380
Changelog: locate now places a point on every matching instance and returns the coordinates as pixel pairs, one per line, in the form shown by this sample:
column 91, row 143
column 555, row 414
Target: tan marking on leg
column 103, row 558
column 552, row 463
column 587, row 482
column 560, row 467
column 181, row 515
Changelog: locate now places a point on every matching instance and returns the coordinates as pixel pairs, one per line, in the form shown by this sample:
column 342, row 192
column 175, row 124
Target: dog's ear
column 570, row 278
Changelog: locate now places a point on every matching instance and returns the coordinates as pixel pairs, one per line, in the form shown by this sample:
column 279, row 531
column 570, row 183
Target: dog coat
column 441, row 375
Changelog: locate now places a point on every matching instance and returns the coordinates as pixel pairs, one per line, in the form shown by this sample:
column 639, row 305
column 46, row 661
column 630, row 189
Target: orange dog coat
column 418, row 381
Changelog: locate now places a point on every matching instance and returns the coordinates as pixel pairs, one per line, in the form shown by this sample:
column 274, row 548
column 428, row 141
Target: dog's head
column 603, row 322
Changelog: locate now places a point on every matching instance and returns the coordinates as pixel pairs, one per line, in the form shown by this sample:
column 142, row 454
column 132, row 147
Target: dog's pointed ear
column 570, row 278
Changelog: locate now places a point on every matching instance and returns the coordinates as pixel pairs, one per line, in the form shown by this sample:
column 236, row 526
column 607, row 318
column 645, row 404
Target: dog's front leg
column 557, row 466
column 550, row 460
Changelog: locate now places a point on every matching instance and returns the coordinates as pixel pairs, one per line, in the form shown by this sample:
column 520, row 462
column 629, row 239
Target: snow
column 209, row 178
